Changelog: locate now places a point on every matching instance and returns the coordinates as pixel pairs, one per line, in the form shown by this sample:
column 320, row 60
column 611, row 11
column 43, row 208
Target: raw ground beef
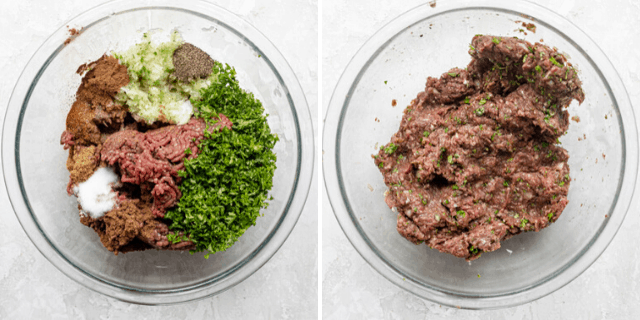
column 477, row 158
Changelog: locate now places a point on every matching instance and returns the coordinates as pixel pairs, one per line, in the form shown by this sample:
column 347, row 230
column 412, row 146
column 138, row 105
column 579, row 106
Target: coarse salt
column 96, row 195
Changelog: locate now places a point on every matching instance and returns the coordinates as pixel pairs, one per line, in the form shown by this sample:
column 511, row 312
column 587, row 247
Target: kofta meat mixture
column 477, row 157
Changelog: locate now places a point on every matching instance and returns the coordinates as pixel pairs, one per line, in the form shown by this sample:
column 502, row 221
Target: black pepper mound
column 477, row 157
column 191, row 63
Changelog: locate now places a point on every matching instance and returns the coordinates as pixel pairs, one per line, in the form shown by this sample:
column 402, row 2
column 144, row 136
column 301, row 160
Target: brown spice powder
column 118, row 227
column 82, row 162
column 99, row 86
column 73, row 33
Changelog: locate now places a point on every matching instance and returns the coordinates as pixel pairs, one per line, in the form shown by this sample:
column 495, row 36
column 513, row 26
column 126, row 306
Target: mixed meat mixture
column 477, row 157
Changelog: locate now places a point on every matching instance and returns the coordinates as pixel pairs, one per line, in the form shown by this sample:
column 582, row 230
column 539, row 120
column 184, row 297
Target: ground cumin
column 82, row 162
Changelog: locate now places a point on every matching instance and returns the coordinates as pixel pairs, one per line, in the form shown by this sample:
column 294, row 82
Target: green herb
column 523, row 223
column 482, row 101
column 466, row 100
column 454, row 187
column 550, row 215
column 461, row 213
column 506, row 184
column 453, row 74
column 224, row 188
column 385, row 82
column 450, row 159
column 554, row 61
column 539, row 69
column 479, row 111
column 426, row 134
column 391, row 148
column 381, row 164
column 496, row 40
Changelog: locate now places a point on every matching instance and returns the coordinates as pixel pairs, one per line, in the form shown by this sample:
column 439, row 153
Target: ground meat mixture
column 146, row 158
column 477, row 157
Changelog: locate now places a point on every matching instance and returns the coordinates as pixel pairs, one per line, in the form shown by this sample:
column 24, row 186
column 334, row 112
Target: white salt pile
column 96, row 195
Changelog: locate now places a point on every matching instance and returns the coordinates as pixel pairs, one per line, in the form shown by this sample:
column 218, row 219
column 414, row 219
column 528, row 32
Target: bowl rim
column 250, row 264
column 333, row 180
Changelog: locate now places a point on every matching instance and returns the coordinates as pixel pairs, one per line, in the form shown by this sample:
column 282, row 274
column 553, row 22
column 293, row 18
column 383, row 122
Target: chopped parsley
column 482, row 101
column 224, row 188
column 479, row 111
column 496, row 40
column 391, row 148
column 453, row 74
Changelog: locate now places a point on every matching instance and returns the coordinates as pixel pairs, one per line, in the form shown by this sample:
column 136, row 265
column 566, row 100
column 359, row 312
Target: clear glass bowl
column 34, row 161
column 394, row 64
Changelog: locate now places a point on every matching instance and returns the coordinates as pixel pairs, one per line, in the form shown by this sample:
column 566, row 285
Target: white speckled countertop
column 609, row 289
column 284, row 288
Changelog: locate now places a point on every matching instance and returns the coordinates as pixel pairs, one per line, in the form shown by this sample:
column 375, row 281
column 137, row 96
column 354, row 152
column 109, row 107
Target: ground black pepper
column 191, row 63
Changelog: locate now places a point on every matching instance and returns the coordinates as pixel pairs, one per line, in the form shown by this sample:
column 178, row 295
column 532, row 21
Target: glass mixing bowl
column 34, row 162
column 394, row 64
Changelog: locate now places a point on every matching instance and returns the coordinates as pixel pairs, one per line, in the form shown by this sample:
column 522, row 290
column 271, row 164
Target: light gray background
column 284, row 288
column 609, row 289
